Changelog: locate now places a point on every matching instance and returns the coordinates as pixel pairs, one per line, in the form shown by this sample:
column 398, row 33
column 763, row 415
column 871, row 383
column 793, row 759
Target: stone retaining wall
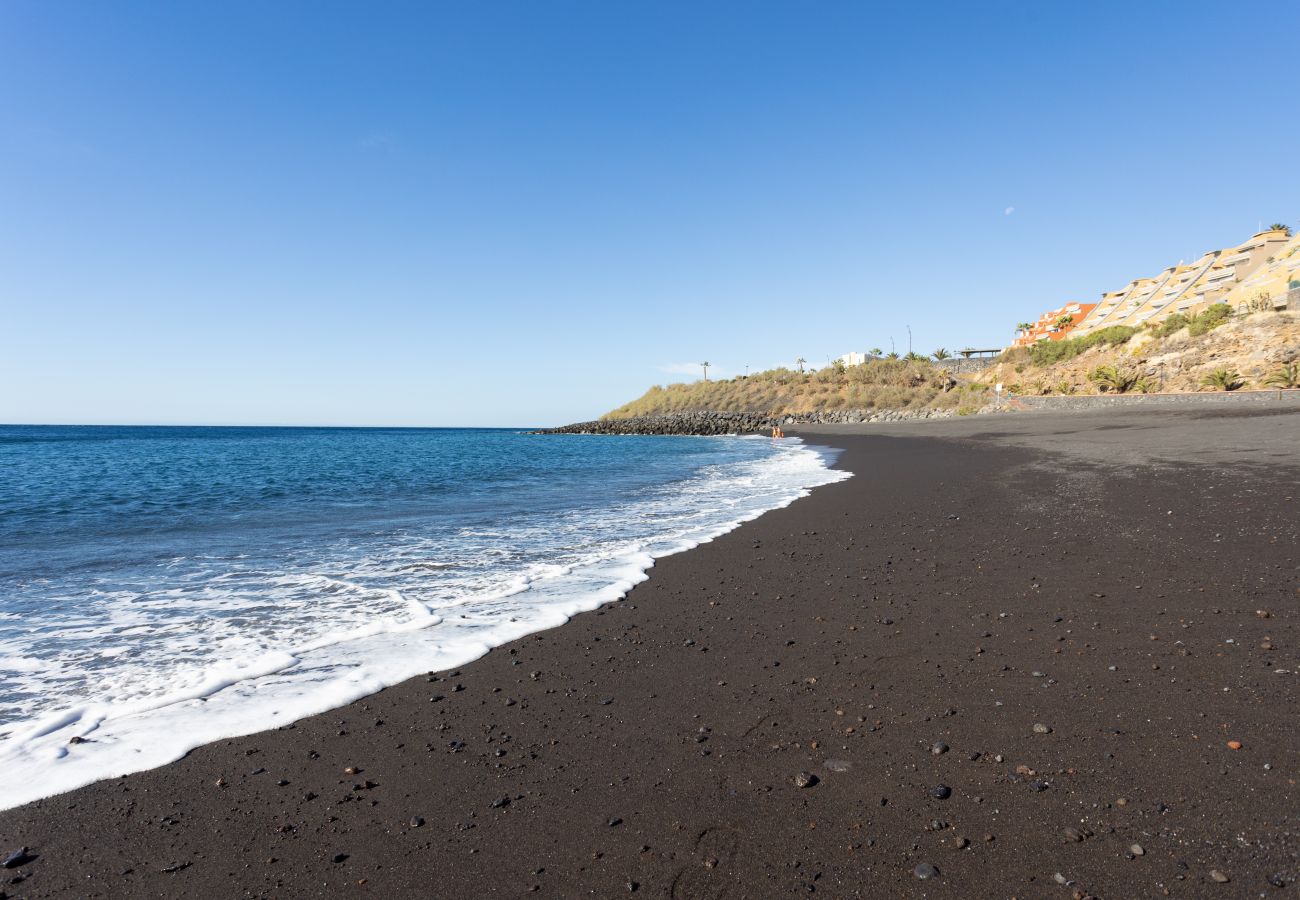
column 1288, row 398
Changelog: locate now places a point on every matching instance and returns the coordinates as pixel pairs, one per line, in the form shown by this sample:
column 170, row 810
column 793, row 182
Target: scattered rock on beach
column 805, row 780
column 1220, row 877
column 500, row 802
column 941, row 792
column 939, row 748
column 1040, row 728
column 20, row 857
column 926, row 870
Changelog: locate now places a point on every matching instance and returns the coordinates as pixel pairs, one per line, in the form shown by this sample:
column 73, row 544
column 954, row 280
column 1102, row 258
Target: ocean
column 162, row 588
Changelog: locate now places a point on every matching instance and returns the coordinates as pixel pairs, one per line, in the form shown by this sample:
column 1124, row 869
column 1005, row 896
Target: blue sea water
column 165, row 587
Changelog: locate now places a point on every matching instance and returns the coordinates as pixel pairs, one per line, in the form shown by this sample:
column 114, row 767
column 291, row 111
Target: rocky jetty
column 707, row 423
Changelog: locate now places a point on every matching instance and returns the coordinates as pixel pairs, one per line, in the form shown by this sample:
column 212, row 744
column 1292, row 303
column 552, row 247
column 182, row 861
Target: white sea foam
column 232, row 679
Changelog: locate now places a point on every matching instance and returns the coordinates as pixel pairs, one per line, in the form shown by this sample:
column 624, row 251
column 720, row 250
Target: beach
column 1020, row 655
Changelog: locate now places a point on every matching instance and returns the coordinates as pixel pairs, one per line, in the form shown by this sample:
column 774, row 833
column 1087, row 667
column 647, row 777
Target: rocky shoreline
column 715, row 423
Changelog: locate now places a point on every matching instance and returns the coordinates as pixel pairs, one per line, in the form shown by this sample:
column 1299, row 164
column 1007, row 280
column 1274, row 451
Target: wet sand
column 1013, row 648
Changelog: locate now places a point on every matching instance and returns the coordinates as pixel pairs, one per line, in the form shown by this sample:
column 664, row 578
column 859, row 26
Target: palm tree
column 1222, row 380
column 1024, row 327
column 941, row 354
column 799, row 362
column 916, row 357
column 1286, row 377
column 1278, row 226
column 1113, row 378
column 705, row 366
column 891, row 355
column 876, row 351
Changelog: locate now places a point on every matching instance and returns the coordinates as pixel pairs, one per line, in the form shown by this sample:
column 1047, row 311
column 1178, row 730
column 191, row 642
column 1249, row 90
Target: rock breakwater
column 711, row 423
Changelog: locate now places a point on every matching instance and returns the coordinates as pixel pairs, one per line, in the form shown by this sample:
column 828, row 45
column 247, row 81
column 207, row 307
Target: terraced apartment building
column 1274, row 285
column 1055, row 324
column 1218, row 276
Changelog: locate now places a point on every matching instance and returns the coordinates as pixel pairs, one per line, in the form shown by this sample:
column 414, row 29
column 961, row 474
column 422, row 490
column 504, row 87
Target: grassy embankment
column 893, row 384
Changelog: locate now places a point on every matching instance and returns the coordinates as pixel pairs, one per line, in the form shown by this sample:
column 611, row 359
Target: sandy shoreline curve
column 1015, row 655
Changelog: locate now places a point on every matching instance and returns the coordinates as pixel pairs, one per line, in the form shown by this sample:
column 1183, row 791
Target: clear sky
column 515, row 213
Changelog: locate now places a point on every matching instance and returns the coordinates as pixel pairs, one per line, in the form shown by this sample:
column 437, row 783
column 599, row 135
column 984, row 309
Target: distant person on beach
column 777, row 432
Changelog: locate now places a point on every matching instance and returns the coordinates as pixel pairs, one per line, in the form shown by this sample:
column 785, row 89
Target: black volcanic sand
column 1125, row 581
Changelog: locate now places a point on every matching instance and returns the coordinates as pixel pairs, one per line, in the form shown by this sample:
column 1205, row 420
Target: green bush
column 1210, row 318
column 1049, row 352
column 1170, row 325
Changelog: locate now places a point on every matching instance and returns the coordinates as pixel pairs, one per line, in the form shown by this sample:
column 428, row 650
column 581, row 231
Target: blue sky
column 526, row 213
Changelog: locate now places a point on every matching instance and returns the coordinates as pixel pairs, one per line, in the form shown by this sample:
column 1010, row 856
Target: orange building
column 1055, row 325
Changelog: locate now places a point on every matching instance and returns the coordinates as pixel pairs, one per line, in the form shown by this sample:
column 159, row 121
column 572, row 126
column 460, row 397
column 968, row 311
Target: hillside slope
column 877, row 385
column 1175, row 357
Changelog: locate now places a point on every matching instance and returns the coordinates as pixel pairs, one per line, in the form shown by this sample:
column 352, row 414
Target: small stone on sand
column 805, row 780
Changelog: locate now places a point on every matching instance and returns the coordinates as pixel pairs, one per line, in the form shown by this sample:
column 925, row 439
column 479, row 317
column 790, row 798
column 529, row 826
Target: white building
column 853, row 358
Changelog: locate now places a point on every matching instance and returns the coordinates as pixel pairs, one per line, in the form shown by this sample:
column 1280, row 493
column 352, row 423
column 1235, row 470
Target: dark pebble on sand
column 939, row 748
column 20, row 857
column 1277, row 880
column 416, row 821
column 500, row 802
column 340, row 857
column 941, row 792
column 1039, row 786
column 805, row 780
column 614, row 821
column 926, row 870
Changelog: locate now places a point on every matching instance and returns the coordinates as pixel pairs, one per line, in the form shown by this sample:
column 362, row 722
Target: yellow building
column 1214, row 277
column 1274, row 285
